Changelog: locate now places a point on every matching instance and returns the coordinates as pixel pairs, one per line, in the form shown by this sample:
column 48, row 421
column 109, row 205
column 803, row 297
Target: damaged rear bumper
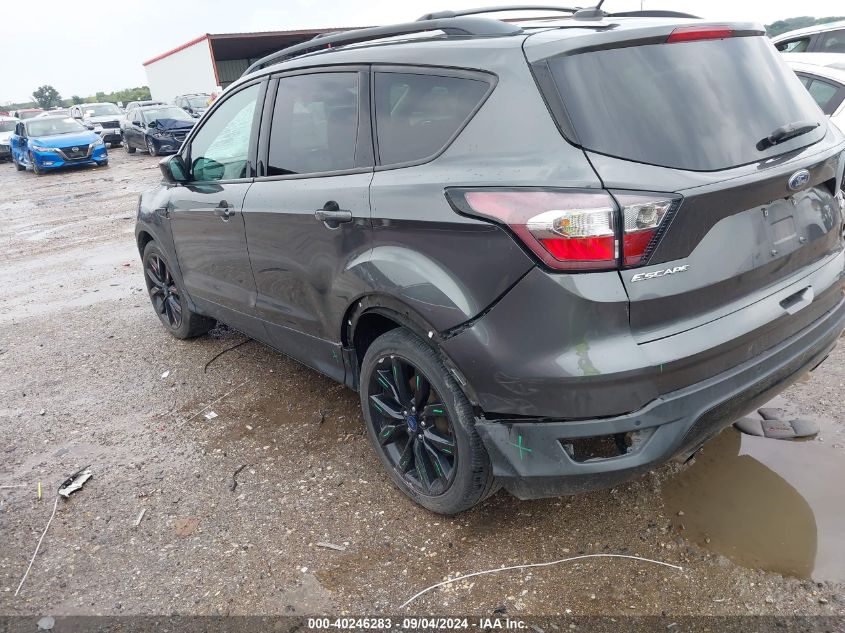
column 538, row 458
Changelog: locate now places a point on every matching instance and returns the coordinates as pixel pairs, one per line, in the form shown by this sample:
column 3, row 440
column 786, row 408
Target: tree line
column 790, row 24
column 47, row 97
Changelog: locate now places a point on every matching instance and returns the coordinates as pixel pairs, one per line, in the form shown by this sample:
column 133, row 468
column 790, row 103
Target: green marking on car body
column 522, row 449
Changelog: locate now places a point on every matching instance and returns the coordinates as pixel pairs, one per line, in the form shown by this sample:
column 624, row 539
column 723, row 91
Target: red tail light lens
column 697, row 33
column 566, row 230
column 574, row 230
column 642, row 217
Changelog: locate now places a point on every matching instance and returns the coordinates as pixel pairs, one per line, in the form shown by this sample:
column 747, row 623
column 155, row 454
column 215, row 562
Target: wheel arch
column 143, row 238
column 370, row 316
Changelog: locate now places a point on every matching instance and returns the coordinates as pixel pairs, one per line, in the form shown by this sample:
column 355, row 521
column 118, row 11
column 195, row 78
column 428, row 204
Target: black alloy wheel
column 164, row 294
column 421, row 424
column 171, row 304
column 151, row 147
column 413, row 425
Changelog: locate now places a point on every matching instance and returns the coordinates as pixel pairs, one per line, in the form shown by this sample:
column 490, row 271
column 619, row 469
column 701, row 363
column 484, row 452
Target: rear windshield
column 702, row 106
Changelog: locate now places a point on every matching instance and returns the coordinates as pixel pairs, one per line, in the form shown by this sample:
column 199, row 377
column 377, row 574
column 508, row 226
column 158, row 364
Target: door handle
column 224, row 211
column 332, row 215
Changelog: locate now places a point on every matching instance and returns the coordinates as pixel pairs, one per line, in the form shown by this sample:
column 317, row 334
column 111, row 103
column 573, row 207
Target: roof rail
column 467, row 26
column 653, row 13
column 515, row 7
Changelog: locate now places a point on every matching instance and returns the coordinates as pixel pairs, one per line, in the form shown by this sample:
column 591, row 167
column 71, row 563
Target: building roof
column 247, row 45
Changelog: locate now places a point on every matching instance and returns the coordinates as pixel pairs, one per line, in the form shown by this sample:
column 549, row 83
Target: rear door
column 687, row 122
column 308, row 213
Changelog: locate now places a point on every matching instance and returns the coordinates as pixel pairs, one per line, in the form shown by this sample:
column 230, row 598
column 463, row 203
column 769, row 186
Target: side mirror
column 89, row 126
column 152, row 124
column 173, row 169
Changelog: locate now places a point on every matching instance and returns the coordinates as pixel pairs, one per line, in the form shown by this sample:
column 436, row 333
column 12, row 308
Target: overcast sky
column 90, row 45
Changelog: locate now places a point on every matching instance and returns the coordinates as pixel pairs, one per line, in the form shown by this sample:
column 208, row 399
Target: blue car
column 48, row 143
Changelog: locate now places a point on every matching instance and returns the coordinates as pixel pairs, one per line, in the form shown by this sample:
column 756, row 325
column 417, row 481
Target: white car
column 821, row 38
column 102, row 118
column 7, row 128
column 824, row 78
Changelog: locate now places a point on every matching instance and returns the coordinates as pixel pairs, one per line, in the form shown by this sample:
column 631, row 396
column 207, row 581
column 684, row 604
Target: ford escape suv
column 549, row 254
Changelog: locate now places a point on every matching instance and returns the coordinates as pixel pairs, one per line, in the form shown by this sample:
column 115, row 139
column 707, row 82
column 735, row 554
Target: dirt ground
column 90, row 377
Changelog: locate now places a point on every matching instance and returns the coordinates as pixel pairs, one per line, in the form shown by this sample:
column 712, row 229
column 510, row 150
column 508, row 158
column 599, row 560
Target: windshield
column 51, row 127
column 198, row 102
column 101, row 109
column 167, row 112
column 7, row 126
column 702, row 106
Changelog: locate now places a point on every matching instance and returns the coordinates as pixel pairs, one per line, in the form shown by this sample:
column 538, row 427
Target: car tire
column 166, row 295
column 151, row 147
column 129, row 149
column 469, row 479
column 35, row 168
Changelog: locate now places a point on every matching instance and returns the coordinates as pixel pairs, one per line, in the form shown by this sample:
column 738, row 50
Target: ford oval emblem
column 799, row 179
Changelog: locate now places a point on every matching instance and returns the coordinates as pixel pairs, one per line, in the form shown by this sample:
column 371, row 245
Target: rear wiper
column 787, row 132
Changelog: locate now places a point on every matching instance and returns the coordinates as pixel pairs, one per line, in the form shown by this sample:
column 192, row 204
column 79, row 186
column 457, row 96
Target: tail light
column 574, row 230
column 697, row 33
column 643, row 216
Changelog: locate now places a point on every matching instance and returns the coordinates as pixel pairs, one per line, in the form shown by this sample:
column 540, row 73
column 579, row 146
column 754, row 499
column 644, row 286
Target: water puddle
column 767, row 504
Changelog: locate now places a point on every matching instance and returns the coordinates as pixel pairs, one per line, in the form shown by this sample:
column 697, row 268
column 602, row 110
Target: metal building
column 213, row 60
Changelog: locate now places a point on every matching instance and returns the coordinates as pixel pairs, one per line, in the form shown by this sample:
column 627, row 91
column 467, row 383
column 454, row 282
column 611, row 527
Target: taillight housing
column 643, row 216
column 576, row 230
column 697, row 33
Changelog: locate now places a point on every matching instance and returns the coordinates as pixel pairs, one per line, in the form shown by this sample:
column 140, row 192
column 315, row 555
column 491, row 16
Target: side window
column 794, row 46
column 833, row 42
column 417, row 115
column 220, row 150
column 315, row 124
column 824, row 94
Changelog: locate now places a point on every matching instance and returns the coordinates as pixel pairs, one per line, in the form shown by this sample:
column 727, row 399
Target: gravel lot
column 84, row 366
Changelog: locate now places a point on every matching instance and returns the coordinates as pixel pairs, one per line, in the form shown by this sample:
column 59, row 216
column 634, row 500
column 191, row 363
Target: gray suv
column 549, row 254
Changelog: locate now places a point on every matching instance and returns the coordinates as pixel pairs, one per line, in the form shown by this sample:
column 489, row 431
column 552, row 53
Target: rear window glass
column 824, row 94
column 417, row 115
column 701, row 106
column 315, row 124
column 833, row 42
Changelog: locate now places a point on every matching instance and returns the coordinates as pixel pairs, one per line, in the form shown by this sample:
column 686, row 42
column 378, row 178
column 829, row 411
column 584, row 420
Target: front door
column 206, row 212
column 308, row 214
